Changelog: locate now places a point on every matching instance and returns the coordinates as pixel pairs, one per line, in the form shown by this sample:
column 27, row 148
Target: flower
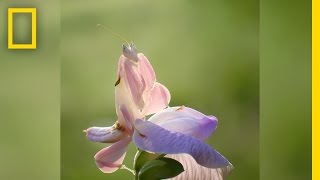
column 177, row 131
column 193, row 123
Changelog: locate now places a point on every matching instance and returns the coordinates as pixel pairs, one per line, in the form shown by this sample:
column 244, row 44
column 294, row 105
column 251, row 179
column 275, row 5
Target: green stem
column 135, row 157
column 135, row 161
column 128, row 169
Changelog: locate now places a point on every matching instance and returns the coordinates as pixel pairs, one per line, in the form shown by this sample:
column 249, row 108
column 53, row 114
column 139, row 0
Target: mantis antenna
column 115, row 34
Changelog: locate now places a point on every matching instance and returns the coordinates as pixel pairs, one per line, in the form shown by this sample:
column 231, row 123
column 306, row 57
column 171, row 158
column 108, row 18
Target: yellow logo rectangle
column 33, row 44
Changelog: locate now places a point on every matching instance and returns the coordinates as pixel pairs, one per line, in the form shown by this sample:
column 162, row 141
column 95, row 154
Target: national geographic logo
column 33, row 44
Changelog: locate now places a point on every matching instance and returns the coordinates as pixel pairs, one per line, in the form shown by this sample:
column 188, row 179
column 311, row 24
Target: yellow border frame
column 33, row 44
column 315, row 90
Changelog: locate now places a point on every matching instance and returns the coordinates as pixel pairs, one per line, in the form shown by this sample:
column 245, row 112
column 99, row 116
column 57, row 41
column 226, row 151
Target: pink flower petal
column 123, row 99
column 158, row 100
column 146, row 71
column 139, row 85
column 128, row 117
column 196, row 172
column 153, row 138
column 120, row 64
column 134, row 81
column 187, row 121
column 110, row 158
column 105, row 134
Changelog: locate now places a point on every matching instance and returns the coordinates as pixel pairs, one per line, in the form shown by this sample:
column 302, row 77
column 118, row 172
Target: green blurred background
column 285, row 89
column 30, row 95
column 205, row 52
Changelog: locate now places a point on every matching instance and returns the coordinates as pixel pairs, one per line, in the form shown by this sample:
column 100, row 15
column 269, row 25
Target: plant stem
column 128, row 169
column 135, row 157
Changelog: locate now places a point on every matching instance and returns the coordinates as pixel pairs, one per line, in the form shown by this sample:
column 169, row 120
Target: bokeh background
column 285, row 89
column 205, row 52
column 30, row 94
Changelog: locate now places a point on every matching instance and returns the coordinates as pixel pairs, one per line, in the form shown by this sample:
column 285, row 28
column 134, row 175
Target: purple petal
column 150, row 137
column 105, row 134
column 187, row 121
column 110, row 158
column 196, row 172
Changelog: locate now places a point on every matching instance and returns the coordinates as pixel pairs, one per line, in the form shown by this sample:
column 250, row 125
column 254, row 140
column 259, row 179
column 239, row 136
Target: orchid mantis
column 176, row 132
